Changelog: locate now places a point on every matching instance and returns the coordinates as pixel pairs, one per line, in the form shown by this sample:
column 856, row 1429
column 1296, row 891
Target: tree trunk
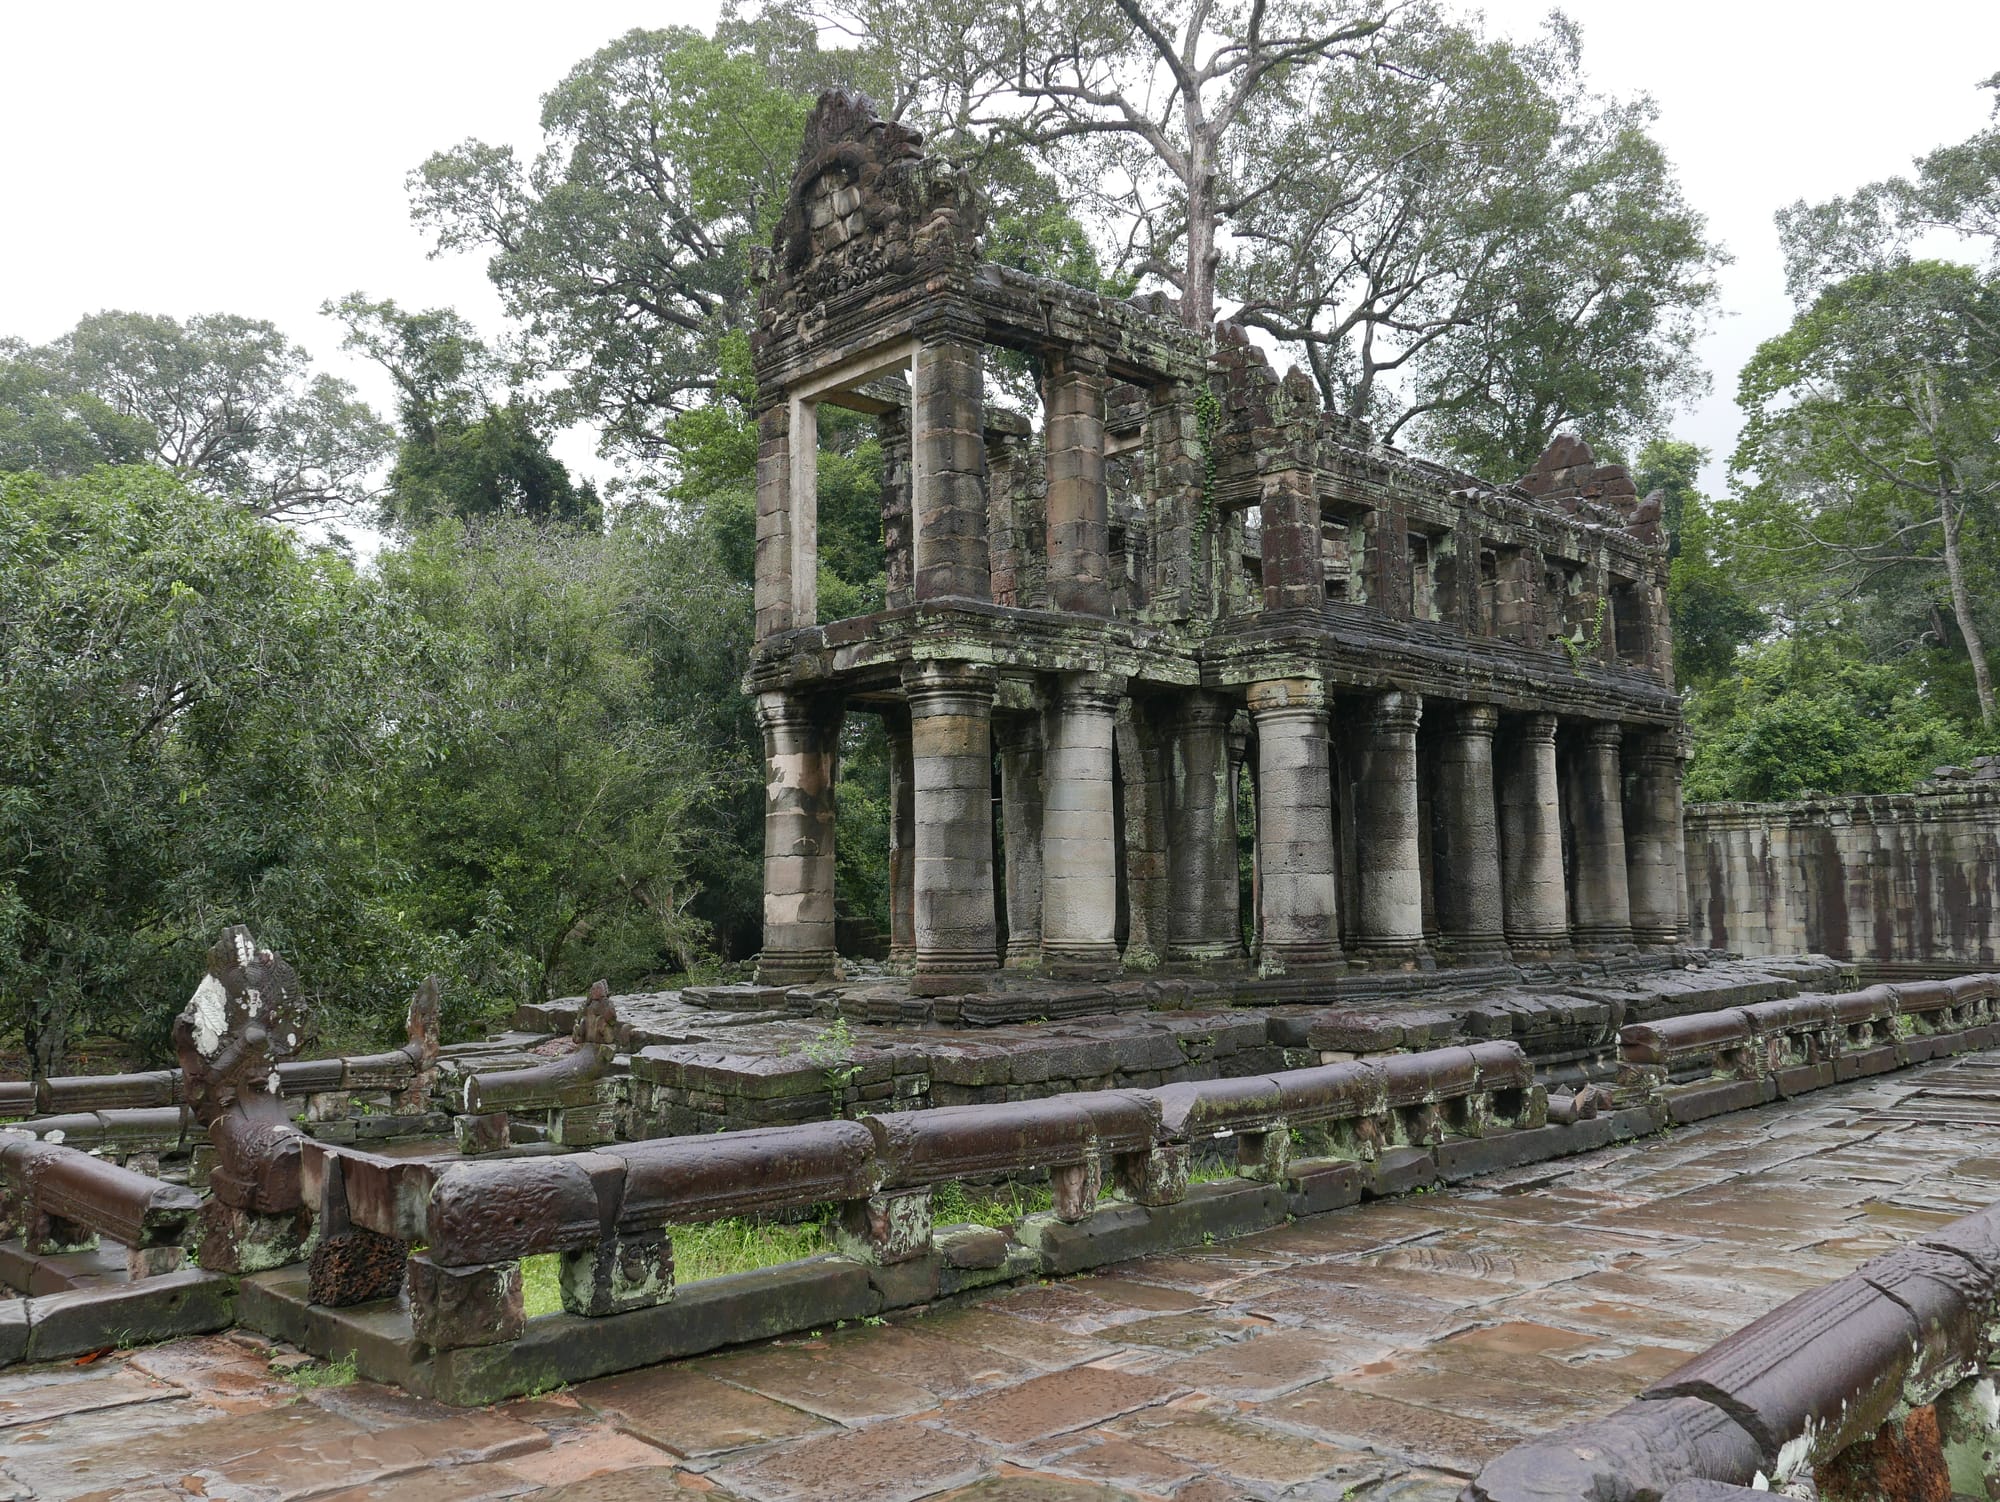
column 1198, row 296
column 1961, row 607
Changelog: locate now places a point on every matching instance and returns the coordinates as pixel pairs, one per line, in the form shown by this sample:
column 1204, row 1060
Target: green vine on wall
column 1585, row 647
column 1207, row 418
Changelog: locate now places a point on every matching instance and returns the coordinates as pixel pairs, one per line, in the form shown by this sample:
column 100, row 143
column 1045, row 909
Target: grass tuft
column 339, row 1373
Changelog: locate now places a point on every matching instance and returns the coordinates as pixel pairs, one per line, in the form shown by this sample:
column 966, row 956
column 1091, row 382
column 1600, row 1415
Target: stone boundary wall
column 1902, row 884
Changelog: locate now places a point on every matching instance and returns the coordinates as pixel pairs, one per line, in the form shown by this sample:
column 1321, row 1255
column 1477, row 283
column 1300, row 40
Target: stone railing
column 59, row 1200
column 1879, row 1385
column 56, row 1204
column 1378, row 1127
column 1709, row 1062
column 572, row 1101
column 304, row 1238
column 145, row 1115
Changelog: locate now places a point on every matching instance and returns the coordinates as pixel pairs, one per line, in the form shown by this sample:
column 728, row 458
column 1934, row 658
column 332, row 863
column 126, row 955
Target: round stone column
column 951, row 742
column 1597, row 814
column 1297, row 892
column 1653, row 837
column 1531, row 861
column 801, row 740
column 1390, row 930
column 1079, row 837
column 1206, row 922
column 1471, row 912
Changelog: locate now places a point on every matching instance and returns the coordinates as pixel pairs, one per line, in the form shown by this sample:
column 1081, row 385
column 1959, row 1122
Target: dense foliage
column 508, row 753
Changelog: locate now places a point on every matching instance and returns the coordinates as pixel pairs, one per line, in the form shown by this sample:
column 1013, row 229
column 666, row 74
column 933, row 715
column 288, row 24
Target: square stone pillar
column 1015, row 525
column 1297, row 892
column 787, row 582
column 1386, row 833
column 902, row 838
column 1079, row 830
column 1597, row 815
column 1471, row 913
column 1019, row 739
column 801, row 744
column 1144, row 858
column 1653, row 837
column 1079, row 522
column 948, row 480
column 951, row 743
column 1531, row 861
column 1207, row 925
column 892, row 431
column 1177, row 475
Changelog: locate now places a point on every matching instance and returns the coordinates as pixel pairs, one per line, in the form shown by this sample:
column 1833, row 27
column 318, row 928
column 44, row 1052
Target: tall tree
column 1464, row 239
column 228, row 402
column 1711, row 615
column 466, row 451
column 622, row 248
column 48, row 425
column 1868, row 456
column 184, row 693
column 1164, row 98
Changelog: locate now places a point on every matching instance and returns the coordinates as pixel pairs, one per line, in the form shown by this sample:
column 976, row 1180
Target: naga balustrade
column 1881, row 1384
column 58, row 1200
column 565, row 1099
column 608, row 1213
column 1715, row 1061
column 148, row 1112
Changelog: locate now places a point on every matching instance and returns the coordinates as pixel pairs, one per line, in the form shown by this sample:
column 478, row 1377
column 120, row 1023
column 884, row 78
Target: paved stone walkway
column 1381, row 1352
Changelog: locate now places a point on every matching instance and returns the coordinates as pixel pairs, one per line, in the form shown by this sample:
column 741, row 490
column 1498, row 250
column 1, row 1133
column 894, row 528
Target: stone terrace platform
column 1379, row 1352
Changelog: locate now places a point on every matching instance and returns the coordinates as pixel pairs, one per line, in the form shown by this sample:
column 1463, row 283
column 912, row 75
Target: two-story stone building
column 1454, row 700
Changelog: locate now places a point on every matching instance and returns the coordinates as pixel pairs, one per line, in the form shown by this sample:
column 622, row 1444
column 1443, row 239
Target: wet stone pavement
column 1380, row 1352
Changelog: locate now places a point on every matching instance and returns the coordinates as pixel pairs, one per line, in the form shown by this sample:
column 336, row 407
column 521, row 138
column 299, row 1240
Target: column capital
column 1540, row 726
column 1079, row 360
column 1603, row 733
column 1102, row 692
column 1017, row 732
column 1397, row 712
column 1201, row 710
column 1279, row 696
column 1476, row 720
column 951, row 326
column 1655, row 748
column 935, row 688
column 798, row 712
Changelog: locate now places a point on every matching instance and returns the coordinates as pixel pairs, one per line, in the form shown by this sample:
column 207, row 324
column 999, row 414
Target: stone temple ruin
column 1455, row 699
column 1465, row 962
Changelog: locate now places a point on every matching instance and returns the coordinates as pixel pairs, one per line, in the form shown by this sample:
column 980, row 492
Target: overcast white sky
column 202, row 156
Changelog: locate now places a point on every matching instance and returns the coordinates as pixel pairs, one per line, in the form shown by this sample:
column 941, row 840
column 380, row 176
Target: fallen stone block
column 1693, row 1103
column 1400, row 1170
column 191, row 1302
column 1116, row 1233
column 1319, row 1185
column 701, row 1317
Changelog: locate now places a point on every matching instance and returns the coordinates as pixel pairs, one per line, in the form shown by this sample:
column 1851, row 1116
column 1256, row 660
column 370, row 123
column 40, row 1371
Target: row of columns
column 1500, row 839
column 1498, row 806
